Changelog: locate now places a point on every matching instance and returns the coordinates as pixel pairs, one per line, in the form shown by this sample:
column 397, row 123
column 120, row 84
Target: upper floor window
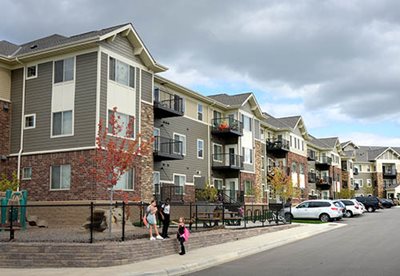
column 179, row 182
column 125, row 122
column 180, row 148
column 248, row 155
column 30, row 121
column 246, row 123
column 31, row 72
column 262, row 134
column 200, row 148
column 126, row 181
column 122, row 73
column 64, row 70
column 60, row 178
column 217, row 150
column 294, row 167
column 62, row 123
column 200, row 112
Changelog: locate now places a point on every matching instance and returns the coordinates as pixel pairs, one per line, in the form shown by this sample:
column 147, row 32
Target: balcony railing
column 324, row 182
column 226, row 127
column 389, row 172
column 167, row 104
column 284, row 169
column 227, row 161
column 312, row 177
column 167, row 149
column 323, row 162
column 277, row 145
column 173, row 192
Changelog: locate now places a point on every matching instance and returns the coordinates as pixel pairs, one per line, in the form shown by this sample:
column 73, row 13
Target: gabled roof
column 366, row 153
column 275, row 122
column 345, row 144
column 318, row 143
column 290, row 121
column 58, row 42
column 331, row 141
column 231, row 100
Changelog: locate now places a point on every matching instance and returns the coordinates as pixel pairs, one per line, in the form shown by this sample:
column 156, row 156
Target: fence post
column 91, row 221
column 190, row 216
column 262, row 215
column 195, row 219
column 245, row 216
column 141, row 213
column 123, row 220
column 223, row 213
column 11, row 223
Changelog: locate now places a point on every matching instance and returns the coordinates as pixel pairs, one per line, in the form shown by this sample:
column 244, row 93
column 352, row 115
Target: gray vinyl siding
column 257, row 129
column 247, row 108
column 297, row 132
column 147, row 89
column 38, row 100
column 103, row 86
column 16, row 100
column 190, row 164
column 123, row 47
column 138, row 102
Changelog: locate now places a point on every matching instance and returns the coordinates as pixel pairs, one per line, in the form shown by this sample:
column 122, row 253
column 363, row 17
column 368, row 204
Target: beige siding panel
column 103, row 86
column 5, row 84
column 147, row 91
column 16, row 99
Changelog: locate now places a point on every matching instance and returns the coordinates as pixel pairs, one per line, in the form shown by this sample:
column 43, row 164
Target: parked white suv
column 324, row 210
column 353, row 207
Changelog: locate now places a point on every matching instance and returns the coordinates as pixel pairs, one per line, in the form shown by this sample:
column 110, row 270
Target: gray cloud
column 349, row 49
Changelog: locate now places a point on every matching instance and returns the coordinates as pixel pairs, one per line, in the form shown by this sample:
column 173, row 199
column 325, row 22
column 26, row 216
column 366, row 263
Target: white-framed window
column 200, row 148
column 369, row 183
column 31, row 72
column 27, row 173
column 218, row 183
column 200, row 112
column 60, row 177
column 179, row 182
column 217, row 153
column 126, row 181
column 302, row 145
column 301, row 166
column 62, row 123
column 262, row 134
column 291, row 141
column 248, row 155
column 262, row 163
column 121, row 72
column 248, row 187
column 64, row 70
column 246, row 123
column 180, row 148
column 360, row 182
column 125, row 121
column 156, row 183
column 30, row 121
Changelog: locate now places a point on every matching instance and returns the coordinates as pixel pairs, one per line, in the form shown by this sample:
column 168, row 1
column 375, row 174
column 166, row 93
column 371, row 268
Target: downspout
column 21, row 147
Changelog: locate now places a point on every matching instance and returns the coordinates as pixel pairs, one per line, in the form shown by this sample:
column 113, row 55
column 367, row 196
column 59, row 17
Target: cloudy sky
column 336, row 63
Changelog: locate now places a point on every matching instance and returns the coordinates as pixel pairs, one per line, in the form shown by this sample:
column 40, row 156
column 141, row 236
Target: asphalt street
column 368, row 245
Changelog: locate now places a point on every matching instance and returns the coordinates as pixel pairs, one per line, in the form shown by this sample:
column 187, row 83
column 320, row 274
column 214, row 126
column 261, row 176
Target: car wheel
column 370, row 209
column 349, row 214
column 324, row 217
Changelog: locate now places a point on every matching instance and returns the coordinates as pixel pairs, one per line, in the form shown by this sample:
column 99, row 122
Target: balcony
column 324, row 183
column 323, row 162
column 311, row 155
column 167, row 149
column 173, row 192
column 312, row 177
column 226, row 127
column 284, row 169
column 278, row 147
column 389, row 172
column 167, row 104
column 227, row 162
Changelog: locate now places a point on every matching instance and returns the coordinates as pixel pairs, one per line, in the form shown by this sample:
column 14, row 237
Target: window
column 126, row 181
column 179, row 182
column 369, row 184
column 27, row 173
column 200, row 112
column 180, row 148
column 248, row 187
column 122, row 73
column 218, row 184
column 291, row 142
column 294, row 167
column 30, row 121
column 125, row 121
column 200, row 148
column 262, row 163
column 218, row 155
column 302, row 145
column 360, row 182
column 64, row 70
column 60, row 177
column 248, row 155
column 246, row 123
column 301, row 167
column 262, row 134
column 156, row 183
column 62, row 123
column 31, row 72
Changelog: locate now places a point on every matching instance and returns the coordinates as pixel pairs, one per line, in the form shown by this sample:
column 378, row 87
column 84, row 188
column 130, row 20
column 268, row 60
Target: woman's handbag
column 145, row 220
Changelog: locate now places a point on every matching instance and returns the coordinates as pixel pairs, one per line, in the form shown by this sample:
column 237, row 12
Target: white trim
column 51, row 189
column 184, row 184
column 139, row 103
column 202, row 112
column 36, row 72
column 213, row 153
column 72, row 127
column 34, row 121
column 184, row 147
column 5, row 100
column 197, row 146
column 124, row 59
column 219, row 179
column 118, row 136
column 23, row 173
column 146, row 102
column 200, row 122
column 196, row 176
column 244, row 171
column 53, row 151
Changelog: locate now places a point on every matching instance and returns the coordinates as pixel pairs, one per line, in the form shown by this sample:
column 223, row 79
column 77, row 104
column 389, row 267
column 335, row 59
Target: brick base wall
column 300, row 160
column 5, row 128
column 37, row 255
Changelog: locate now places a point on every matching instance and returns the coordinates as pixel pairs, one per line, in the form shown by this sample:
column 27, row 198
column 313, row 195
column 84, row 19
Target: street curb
column 208, row 262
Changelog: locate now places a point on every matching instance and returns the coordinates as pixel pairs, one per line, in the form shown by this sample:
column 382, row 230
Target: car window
column 337, row 204
column 303, row 205
column 347, row 202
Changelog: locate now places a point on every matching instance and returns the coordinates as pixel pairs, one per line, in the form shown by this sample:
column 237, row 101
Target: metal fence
column 87, row 223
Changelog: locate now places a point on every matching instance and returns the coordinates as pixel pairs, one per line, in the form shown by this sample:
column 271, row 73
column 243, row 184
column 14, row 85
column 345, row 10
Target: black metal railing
column 167, row 148
column 169, row 104
column 324, row 180
column 312, row 177
column 227, row 161
column 324, row 160
column 389, row 172
column 174, row 192
column 311, row 155
column 278, row 144
column 227, row 125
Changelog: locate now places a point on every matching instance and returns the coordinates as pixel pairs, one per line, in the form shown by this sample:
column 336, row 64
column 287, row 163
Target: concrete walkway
column 194, row 260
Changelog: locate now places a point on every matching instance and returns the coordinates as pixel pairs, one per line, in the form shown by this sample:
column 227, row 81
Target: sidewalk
column 194, row 260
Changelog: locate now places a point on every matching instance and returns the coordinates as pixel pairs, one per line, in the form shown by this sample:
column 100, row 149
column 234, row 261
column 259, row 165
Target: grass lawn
column 311, row 221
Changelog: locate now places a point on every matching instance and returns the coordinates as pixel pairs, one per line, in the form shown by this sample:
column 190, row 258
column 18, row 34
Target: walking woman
column 151, row 212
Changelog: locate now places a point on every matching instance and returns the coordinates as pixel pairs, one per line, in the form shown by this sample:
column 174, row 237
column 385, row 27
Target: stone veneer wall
column 251, row 177
column 379, row 185
column 336, row 171
column 147, row 132
column 258, row 168
column 5, row 128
